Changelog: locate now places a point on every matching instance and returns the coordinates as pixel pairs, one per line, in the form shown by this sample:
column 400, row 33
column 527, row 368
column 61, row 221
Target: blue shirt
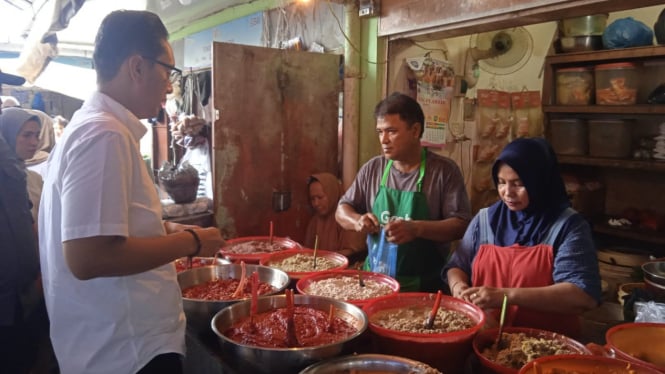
column 575, row 259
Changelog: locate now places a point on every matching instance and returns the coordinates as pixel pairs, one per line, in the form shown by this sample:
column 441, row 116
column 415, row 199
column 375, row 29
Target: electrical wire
column 355, row 48
column 444, row 51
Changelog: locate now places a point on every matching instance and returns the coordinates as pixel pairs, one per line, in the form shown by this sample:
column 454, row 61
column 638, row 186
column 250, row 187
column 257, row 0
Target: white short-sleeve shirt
column 96, row 184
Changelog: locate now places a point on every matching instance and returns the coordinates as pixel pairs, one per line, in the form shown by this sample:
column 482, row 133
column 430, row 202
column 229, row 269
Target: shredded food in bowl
column 411, row 319
column 300, row 263
column 521, row 349
column 347, row 288
column 254, row 246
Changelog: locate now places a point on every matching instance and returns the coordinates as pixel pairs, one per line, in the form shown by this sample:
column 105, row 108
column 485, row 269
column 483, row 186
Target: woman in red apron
column 530, row 246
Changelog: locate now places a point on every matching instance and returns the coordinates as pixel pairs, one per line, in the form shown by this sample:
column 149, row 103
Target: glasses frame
column 174, row 72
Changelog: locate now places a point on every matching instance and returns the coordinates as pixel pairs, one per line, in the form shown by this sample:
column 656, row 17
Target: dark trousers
column 18, row 345
column 167, row 363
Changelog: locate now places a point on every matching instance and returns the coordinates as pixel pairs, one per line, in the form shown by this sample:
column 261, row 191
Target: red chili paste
column 222, row 289
column 268, row 330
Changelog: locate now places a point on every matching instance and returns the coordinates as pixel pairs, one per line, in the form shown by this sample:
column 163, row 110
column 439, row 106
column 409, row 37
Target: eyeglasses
column 175, row 74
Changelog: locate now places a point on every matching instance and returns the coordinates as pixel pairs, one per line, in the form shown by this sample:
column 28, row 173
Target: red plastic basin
column 445, row 351
column 272, row 258
column 642, row 343
column 305, row 282
column 487, row 337
column 584, row 364
column 254, row 258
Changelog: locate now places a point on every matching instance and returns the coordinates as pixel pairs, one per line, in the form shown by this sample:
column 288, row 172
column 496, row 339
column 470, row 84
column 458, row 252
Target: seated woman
column 21, row 130
column 325, row 191
column 531, row 246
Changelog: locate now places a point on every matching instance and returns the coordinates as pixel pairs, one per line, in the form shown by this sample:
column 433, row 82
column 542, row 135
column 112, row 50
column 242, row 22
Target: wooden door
column 277, row 120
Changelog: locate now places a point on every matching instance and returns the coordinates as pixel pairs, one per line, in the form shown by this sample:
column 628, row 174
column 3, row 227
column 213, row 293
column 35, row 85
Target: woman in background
column 531, row 246
column 325, row 191
column 21, row 130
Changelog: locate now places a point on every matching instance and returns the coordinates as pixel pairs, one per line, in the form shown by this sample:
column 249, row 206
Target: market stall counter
column 204, row 354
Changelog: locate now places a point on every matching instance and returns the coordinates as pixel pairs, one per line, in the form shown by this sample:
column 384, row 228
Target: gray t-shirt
column 443, row 185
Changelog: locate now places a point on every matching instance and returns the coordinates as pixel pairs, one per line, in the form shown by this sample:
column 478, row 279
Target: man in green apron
column 410, row 201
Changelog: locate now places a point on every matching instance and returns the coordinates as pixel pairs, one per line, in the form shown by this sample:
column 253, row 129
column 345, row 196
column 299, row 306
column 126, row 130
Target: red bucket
column 341, row 262
column 642, row 343
column 583, row 364
column 446, row 351
column 486, row 338
column 369, row 277
column 251, row 251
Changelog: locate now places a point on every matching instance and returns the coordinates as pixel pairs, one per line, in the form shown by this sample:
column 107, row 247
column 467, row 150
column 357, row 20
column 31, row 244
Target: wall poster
column 435, row 84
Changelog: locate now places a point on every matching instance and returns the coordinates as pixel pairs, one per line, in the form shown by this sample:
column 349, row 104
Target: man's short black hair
column 403, row 105
column 124, row 33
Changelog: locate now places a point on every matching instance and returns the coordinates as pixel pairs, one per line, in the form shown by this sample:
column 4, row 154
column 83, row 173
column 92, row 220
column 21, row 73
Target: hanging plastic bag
column 626, row 33
column 181, row 183
column 382, row 256
column 649, row 311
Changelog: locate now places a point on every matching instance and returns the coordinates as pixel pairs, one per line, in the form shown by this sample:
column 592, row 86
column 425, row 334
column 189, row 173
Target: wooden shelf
column 607, row 109
column 627, row 182
column 652, row 237
column 607, row 56
column 654, row 166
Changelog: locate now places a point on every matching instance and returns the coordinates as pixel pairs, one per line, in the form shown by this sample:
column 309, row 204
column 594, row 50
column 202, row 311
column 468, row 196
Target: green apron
column 418, row 262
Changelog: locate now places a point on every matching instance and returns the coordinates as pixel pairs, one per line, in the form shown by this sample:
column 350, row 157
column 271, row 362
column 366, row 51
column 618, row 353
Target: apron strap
column 557, row 225
column 486, row 233
column 421, row 171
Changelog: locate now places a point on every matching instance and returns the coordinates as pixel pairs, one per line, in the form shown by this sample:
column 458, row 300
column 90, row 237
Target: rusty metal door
column 277, row 123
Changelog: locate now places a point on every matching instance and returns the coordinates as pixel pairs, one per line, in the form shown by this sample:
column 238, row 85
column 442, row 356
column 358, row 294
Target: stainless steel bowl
column 370, row 362
column 579, row 43
column 200, row 312
column 253, row 359
column 654, row 279
column 181, row 263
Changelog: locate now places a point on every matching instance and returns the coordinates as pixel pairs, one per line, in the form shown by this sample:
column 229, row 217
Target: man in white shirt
column 111, row 289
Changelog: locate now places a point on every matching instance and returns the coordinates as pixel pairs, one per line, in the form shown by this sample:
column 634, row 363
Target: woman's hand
column 457, row 289
column 484, row 297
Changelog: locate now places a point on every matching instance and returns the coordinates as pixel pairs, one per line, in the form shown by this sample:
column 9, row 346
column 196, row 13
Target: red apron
column 518, row 266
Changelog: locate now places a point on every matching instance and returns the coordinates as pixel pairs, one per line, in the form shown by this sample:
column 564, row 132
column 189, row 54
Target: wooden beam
column 423, row 20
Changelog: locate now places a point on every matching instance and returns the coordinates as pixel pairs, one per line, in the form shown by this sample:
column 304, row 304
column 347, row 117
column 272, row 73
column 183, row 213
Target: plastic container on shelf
column 574, row 86
column 569, row 136
column 609, row 138
column 616, row 83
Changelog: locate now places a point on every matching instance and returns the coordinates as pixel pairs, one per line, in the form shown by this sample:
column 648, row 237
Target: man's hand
column 367, row 224
column 401, row 231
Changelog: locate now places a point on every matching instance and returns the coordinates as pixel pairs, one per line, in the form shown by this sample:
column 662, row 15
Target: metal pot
column 374, row 363
column 200, row 312
column 654, row 278
column 253, row 359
